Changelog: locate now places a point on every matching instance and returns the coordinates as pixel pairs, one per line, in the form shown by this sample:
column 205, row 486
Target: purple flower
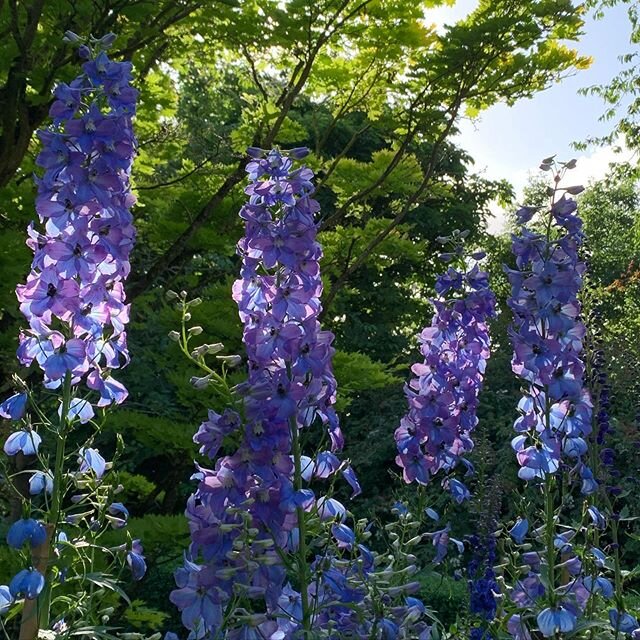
column 290, row 388
column 517, row 628
column 435, row 434
column 82, row 256
column 547, row 338
column 200, row 612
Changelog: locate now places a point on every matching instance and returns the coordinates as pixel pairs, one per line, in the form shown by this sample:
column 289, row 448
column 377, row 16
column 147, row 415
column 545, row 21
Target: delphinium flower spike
column 73, row 299
column 555, row 412
column 435, row 434
column 251, row 571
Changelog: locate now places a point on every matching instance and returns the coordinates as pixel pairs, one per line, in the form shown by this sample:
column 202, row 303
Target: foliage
column 376, row 92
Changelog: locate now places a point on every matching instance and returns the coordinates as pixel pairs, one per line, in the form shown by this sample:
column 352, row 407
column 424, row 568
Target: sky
column 509, row 142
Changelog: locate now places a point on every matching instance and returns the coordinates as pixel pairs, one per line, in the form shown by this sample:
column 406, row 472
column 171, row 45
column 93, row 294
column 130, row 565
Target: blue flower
column 26, row 442
column 432, row 513
column 598, row 585
column 79, row 409
column 519, row 530
column 135, row 560
column 26, row 530
column 40, row 481
column 28, row 583
column 117, row 514
column 344, row 536
column 399, row 508
column 556, row 620
column 622, row 622
column 458, row 490
column 600, row 557
column 597, row 518
column 388, row 629
column 350, row 476
column 415, row 608
column 330, row 509
column 6, row 599
column 91, row 460
column 13, row 408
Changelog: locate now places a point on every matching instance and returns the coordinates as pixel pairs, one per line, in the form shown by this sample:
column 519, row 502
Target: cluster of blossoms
column 74, row 299
column 547, row 335
column 555, row 420
column 484, row 590
column 74, row 303
column 250, row 515
column 600, row 389
column 483, row 586
column 443, row 399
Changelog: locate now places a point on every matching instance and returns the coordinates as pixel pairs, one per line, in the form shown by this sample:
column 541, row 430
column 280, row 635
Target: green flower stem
column 56, row 499
column 302, row 547
column 550, row 527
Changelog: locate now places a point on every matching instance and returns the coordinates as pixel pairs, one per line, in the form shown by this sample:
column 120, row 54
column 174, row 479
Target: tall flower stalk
column 74, row 303
column 272, row 554
column 555, row 418
column 435, row 434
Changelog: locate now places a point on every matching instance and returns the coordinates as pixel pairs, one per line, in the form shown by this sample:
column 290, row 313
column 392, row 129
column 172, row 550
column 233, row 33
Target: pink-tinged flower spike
column 76, row 314
column 73, row 298
column 290, row 388
column 435, row 434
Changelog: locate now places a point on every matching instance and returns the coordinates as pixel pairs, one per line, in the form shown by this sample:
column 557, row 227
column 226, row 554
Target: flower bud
column 174, row 335
column 195, row 331
column 214, row 348
column 230, row 361
column 200, row 383
column 70, row 36
column 200, row 352
column 106, row 41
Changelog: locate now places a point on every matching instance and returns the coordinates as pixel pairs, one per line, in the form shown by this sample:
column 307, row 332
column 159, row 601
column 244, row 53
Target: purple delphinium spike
column 74, row 299
column 263, row 486
column 290, row 386
column 443, row 397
